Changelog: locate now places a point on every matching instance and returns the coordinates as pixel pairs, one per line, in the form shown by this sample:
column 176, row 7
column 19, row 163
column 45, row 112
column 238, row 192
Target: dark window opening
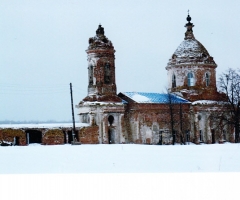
column 33, row 136
column 107, row 73
column 200, row 136
column 110, row 120
column 90, row 74
column 173, row 81
column 207, row 79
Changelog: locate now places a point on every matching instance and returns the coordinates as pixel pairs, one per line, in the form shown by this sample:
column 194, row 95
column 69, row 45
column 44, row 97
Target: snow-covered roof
column 103, row 103
column 146, row 97
column 191, row 48
column 50, row 126
column 205, row 102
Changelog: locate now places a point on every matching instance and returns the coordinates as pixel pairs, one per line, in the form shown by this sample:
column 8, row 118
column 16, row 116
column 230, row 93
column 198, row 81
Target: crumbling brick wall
column 89, row 135
column 54, row 136
column 9, row 134
column 145, row 121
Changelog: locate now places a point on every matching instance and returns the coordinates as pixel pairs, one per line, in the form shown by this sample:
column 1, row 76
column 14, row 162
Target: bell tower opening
column 107, row 73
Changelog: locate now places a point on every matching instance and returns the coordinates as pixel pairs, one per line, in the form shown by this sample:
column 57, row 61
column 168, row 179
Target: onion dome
column 100, row 41
column 190, row 51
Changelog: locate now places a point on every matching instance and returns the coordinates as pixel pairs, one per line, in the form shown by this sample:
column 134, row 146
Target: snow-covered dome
column 190, row 50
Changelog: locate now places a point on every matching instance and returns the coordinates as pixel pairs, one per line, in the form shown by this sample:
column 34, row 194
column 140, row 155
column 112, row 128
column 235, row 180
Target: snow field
column 119, row 158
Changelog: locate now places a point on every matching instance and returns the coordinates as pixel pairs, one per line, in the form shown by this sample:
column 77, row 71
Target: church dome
column 190, row 51
column 191, row 48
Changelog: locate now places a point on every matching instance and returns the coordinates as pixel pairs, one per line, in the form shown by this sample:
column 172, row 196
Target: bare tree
column 170, row 103
column 176, row 117
column 229, row 83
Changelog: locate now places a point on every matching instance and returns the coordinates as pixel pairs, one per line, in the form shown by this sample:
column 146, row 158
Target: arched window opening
column 173, row 81
column 110, row 120
column 207, row 79
column 190, row 79
column 90, row 74
column 107, row 74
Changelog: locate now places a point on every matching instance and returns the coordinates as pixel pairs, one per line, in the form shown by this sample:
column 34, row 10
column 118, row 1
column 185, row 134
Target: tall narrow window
column 190, row 79
column 207, row 79
column 90, row 74
column 200, row 135
column 173, row 81
column 107, row 78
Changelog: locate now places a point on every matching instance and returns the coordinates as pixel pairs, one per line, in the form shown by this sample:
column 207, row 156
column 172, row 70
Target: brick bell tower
column 101, row 69
column 102, row 109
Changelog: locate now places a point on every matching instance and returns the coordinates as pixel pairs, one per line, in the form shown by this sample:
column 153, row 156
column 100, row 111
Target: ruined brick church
column 184, row 114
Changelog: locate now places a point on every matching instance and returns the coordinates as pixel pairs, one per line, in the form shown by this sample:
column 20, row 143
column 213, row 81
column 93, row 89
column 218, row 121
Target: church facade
column 184, row 114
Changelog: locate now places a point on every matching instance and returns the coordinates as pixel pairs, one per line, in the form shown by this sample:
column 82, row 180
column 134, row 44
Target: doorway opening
column 16, row 141
column 69, row 137
column 33, row 136
column 213, row 136
column 111, row 135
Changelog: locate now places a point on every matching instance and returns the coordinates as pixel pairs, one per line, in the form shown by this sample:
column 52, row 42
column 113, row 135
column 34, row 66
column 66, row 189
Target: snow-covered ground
column 120, row 171
column 119, row 158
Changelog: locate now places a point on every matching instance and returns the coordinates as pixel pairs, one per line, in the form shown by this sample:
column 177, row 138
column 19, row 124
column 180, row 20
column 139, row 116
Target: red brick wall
column 52, row 137
column 9, row 134
column 89, row 135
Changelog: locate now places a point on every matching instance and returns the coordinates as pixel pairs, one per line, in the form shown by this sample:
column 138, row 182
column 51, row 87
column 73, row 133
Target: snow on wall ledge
column 48, row 126
column 205, row 102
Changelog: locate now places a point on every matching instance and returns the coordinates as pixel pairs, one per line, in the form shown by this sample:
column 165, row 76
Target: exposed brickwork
column 148, row 115
column 9, row 134
column 52, row 137
column 89, row 135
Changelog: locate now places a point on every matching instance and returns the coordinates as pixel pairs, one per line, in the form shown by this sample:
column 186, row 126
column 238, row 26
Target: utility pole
column 73, row 120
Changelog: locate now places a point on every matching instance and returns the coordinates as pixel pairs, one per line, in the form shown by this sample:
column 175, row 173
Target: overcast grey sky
column 43, row 43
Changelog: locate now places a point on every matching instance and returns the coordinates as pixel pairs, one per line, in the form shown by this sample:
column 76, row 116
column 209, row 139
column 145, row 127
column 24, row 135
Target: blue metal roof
column 146, row 97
